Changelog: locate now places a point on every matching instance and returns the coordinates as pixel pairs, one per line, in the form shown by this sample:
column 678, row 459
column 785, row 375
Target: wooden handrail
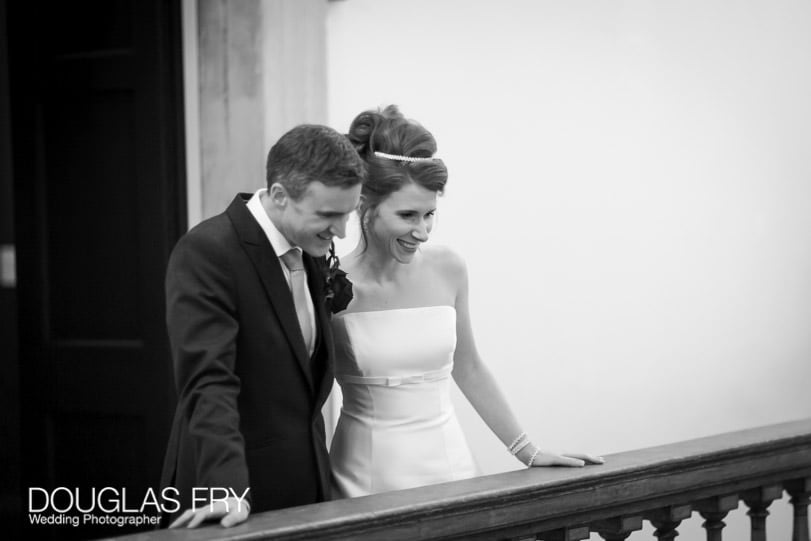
column 696, row 474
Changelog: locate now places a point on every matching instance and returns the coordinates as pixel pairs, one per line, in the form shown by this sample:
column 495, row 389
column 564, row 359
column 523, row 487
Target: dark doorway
column 10, row 506
column 98, row 182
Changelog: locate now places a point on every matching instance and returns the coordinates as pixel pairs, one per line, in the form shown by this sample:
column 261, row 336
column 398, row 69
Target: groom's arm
column 203, row 326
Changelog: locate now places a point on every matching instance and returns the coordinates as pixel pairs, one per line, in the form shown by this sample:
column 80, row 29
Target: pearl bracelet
column 516, row 441
column 520, row 446
column 533, row 457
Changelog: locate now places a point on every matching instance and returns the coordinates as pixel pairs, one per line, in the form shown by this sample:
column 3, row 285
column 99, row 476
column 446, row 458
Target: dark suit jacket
column 249, row 398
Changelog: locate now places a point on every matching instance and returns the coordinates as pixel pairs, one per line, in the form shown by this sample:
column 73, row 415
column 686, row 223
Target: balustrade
column 664, row 485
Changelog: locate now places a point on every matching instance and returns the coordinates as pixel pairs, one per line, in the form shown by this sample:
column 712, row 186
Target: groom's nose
column 338, row 227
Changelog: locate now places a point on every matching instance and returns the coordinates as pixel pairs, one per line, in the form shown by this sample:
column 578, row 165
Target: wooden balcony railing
column 663, row 485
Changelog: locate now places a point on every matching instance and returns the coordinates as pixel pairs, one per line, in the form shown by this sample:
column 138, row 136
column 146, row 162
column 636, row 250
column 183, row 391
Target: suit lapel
column 267, row 266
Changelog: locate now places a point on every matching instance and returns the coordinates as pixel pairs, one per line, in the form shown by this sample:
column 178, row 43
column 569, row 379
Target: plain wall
column 252, row 70
column 630, row 185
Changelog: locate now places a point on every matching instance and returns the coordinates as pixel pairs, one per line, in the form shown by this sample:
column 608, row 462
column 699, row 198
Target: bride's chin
column 404, row 258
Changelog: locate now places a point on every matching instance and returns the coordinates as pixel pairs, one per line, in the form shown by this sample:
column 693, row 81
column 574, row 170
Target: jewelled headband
column 402, row 158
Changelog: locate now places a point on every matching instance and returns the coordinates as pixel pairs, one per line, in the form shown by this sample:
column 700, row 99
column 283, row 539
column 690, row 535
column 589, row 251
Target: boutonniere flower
column 338, row 287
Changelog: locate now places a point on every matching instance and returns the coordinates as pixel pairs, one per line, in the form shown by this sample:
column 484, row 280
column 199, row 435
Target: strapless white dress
column 397, row 428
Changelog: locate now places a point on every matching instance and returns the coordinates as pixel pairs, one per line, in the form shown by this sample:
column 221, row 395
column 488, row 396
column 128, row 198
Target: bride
column 407, row 331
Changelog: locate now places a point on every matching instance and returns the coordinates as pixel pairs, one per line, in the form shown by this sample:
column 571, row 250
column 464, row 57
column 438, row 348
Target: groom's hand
column 231, row 512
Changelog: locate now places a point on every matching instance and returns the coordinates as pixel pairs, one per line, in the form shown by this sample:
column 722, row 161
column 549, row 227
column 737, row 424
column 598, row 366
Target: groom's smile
column 314, row 219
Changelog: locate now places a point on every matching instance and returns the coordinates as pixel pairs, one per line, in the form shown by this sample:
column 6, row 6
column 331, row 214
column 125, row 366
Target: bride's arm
column 480, row 387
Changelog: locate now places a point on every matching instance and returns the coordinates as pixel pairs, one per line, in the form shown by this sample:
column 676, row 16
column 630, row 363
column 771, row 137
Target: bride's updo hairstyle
column 397, row 151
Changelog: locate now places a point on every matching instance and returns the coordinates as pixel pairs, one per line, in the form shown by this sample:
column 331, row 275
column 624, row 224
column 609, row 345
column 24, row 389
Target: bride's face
column 403, row 221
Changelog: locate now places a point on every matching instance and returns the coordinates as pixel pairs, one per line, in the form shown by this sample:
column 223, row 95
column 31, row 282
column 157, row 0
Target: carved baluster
column 667, row 519
column 714, row 510
column 800, row 490
column 566, row 534
column 618, row 528
column 759, row 500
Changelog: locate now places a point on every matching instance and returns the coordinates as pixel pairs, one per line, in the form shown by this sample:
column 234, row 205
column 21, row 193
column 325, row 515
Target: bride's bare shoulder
column 445, row 259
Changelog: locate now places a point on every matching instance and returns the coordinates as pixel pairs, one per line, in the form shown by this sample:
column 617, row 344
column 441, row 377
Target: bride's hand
column 574, row 460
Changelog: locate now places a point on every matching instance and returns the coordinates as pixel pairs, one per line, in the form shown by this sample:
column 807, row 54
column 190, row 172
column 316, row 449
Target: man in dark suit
column 250, row 337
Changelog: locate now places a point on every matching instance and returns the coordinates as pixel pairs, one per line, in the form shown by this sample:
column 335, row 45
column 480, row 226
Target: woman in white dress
column 407, row 331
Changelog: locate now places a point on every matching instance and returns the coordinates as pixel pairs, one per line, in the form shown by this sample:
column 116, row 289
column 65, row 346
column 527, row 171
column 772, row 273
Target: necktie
column 298, row 285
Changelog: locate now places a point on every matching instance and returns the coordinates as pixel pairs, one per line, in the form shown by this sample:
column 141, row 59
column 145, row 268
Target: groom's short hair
column 311, row 152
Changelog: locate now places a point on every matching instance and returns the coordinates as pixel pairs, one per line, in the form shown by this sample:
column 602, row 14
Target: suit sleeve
column 203, row 326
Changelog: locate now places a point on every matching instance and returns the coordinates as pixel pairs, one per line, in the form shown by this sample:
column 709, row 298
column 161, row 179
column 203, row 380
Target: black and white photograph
column 417, row 270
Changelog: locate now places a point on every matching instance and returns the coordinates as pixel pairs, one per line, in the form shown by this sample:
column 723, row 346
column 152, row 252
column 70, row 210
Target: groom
column 250, row 337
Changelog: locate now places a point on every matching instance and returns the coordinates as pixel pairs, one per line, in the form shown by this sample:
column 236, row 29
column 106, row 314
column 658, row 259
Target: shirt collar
column 278, row 241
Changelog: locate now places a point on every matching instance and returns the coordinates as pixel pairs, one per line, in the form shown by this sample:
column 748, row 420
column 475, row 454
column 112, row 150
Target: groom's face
column 317, row 216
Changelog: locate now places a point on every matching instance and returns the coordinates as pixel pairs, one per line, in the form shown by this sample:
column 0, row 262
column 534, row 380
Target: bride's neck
column 377, row 265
